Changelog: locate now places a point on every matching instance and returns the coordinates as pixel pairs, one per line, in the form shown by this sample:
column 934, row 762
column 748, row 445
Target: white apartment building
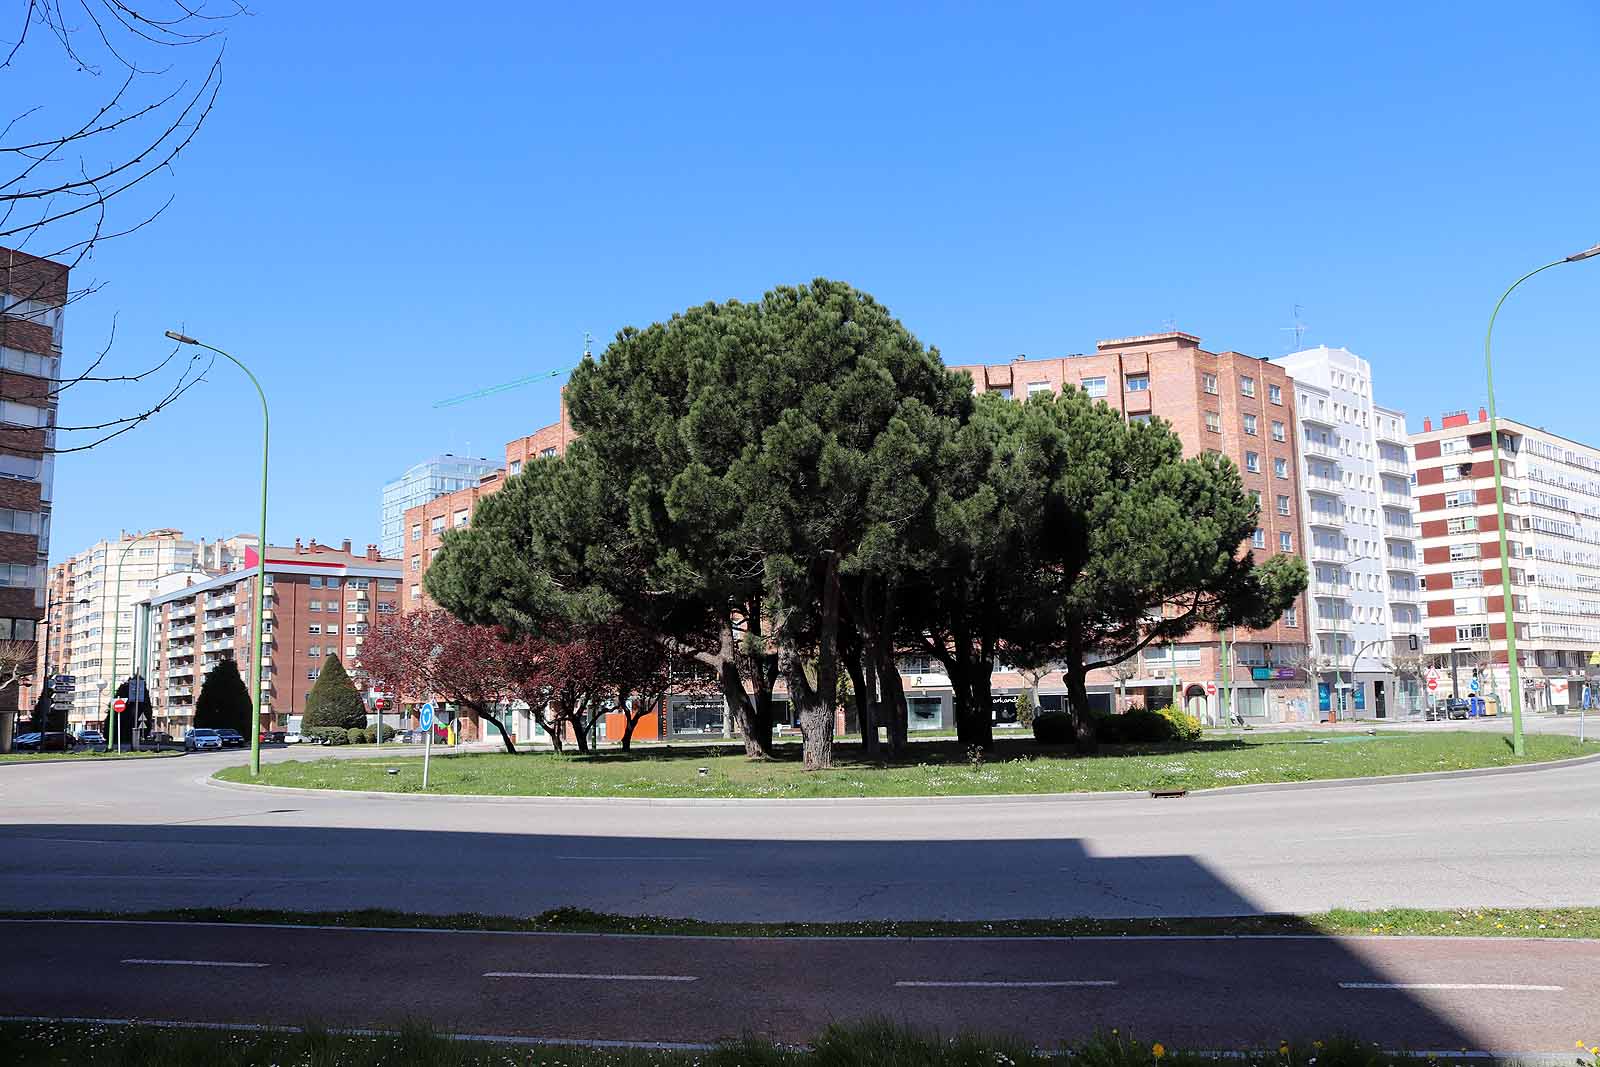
column 96, row 618
column 428, row 480
column 1552, row 497
column 1359, row 537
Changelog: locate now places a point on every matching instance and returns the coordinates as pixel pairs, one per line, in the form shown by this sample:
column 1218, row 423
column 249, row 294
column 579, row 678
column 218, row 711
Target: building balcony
column 1404, row 595
column 225, row 601
column 1393, row 437
column 1322, row 449
column 1318, row 483
column 1396, row 561
column 1394, row 466
column 1340, row 590
column 1395, row 500
column 1315, row 419
column 1328, row 553
column 219, row 645
column 1326, row 518
column 177, row 633
column 213, row 625
column 1407, row 530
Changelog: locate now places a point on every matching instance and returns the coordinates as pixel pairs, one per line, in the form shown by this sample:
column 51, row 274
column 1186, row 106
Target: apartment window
column 462, row 516
column 1252, row 462
column 1004, row 390
column 1247, row 386
column 416, row 531
column 1463, row 498
column 1462, row 524
column 1259, row 538
column 1278, row 432
column 1459, row 552
column 516, row 466
column 1093, row 386
column 315, row 651
column 1469, row 606
column 358, row 583
column 416, row 592
column 1452, row 446
column 1139, row 420
column 1280, row 468
column 1275, row 394
column 312, row 672
column 333, row 583
column 433, row 554
column 1466, row 579
column 388, row 585
column 1283, row 504
column 547, row 453
column 352, row 605
column 314, row 582
column 1291, row 617
column 1213, row 422
column 1285, row 541
column 1208, row 382
column 436, row 524
column 1250, row 425
column 313, row 605
column 416, row 564
column 1038, row 387
column 386, row 607
column 268, row 580
column 1477, row 631
column 353, row 628
column 1138, row 383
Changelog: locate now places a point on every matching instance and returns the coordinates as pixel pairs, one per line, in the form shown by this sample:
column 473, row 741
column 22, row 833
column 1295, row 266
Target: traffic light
column 1411, row 640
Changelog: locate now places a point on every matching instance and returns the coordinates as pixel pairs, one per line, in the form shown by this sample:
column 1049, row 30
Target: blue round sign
column 427, row 716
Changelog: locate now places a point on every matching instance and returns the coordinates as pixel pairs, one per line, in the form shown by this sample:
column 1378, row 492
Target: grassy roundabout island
column 932, row 768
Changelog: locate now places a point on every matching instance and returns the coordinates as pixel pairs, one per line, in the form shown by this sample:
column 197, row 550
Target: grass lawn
column 1407, row 922
column 45, row 757
column 931, row 769
column 867, row 1044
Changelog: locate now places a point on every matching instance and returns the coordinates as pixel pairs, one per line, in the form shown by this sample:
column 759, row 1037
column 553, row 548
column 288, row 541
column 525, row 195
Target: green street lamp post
column 261, row 553
column 1518, row 743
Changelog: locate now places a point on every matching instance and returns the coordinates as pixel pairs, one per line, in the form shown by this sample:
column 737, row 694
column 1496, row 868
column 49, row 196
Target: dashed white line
column 1065, row 983
column 594, row 977
column 1501, row 986
column 195, row 963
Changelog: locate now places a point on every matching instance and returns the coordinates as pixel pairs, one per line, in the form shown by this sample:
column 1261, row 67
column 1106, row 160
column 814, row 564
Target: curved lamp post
column 261, row 552
column 1518, row 744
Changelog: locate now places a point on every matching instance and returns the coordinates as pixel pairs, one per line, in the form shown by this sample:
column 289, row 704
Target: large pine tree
column 224, row 701
column 333, row 701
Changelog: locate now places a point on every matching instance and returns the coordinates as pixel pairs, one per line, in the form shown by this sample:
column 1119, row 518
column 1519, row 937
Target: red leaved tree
column 432, row 654
column 564, row 683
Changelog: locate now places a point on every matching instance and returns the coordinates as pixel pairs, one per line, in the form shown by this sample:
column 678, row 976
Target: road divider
column 193, row 963
column 1504, row 987
column 1063, row 983
column 594, row 977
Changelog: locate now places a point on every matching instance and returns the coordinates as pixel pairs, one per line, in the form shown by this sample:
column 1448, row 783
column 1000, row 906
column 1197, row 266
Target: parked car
column 28, row 742
column 1456, row 708
column 274, row 737
column 293, row 737
column 408, row 737
column 231, row 738
column 91, row 737
column 58, row 741
column 199, row 738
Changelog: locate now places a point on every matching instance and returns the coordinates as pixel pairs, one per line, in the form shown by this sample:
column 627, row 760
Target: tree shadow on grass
column 850, row 754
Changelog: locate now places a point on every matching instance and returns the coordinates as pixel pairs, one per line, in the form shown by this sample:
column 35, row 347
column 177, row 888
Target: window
column 1259, row 538
column 269, row 581
column 1004, row 390
column 312, row 672
column 1138, row 383
column 1461, row 524
column 386, row 607
column 416, row 531
column 1275, row 394
column 1280, row 468
column 416, row 592
column 388, row 585
column 1283, row 504
column 1278, row 433
column 315, row 651
column 1458, row 552
column 436, row 524
column 1291, row 617
column 1252, row 462
column 1477, row 631
column 1462, row 498
column 358, row 583
column 462, row 516
column 1285, row 541
column 416, row 564
column 547, row 453
column 18, row 576
column 16, row 414
column 1213, row 422
column 1208, row 382
column 433, row 554
column 516, row 466
column 1039, row 387
column 1139, row 420
column 314, row 582
column 1452, row 446
column 1247, row 386
column 352, row 605
column 313, row 605
column 1093, row 386
column 333, row 583
column 355, row 628
column 25, row 522
column 315, row 629
column 1250, row 424
column 1466, row 579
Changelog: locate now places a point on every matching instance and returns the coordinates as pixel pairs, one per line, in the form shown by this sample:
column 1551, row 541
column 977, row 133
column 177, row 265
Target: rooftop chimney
column 1483, row 416
column 345, row 546
column 1427, row 425
column 372, row 552
column 297, row 548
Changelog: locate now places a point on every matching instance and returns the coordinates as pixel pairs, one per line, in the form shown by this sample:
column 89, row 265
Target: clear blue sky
column 401, row 202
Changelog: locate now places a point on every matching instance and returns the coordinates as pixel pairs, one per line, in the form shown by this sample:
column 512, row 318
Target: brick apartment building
column 33, row 294
column 1225, row 402
column 320, row 601
column 1552, row 502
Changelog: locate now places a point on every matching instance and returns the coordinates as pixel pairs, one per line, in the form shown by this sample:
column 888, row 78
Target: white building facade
column 1360, row 539
column 426, row 481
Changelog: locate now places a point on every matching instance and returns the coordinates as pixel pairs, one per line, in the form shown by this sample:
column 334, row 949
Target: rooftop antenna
column 1169, row 324
column 1298, row 329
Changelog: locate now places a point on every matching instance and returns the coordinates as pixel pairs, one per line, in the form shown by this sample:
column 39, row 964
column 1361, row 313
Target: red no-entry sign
column 1211, row 689
column 119, row 705
column 1433, row 684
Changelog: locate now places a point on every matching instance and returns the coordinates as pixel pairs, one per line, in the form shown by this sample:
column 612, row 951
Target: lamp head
column 1585, row 254
column 182, row 339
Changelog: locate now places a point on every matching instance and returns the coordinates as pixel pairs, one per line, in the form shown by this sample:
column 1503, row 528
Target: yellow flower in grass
column 1283, row 1048
column 1158, row 1050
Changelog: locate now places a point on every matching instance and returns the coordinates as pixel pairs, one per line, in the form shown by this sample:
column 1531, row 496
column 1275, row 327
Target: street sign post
column 426, row 719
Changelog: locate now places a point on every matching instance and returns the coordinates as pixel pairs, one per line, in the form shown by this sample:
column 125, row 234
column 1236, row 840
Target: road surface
column 1413, row 993
column 152, row 833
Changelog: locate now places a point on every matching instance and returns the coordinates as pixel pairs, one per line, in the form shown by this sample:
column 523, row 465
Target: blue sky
column 399, row 203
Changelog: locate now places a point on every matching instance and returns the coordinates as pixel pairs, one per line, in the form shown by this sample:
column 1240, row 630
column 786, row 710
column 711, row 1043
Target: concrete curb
column 1007, row 798
column 89, row 760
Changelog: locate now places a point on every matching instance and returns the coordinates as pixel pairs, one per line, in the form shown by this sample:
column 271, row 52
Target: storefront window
column 1005, row 708
column 703, row 716
column 924, row 713
column 1251, row 703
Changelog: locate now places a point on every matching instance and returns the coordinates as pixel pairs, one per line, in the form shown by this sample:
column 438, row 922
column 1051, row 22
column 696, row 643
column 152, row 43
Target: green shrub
column 1053, row 728
column 328, row 735
column 1185, row 727
column 1136, row 727
column 333, row 700
column 385, row 732
column 1024, row 709
column 357, row 735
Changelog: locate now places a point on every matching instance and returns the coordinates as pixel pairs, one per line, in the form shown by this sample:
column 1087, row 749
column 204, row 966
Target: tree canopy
column 224, row 701
column 333, row 700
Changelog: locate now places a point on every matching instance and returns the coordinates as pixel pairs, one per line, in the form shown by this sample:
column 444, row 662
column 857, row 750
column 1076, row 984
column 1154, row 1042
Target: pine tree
column 224, row 701
column 333, row 700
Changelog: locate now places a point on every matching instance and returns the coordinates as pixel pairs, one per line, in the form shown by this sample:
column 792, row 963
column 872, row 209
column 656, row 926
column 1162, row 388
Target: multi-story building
column 33, row 292
column 428, row 479
column 1223, row 402
column 320, row 601
column 1552, row 503
column 1359, row 537
column 92, row 607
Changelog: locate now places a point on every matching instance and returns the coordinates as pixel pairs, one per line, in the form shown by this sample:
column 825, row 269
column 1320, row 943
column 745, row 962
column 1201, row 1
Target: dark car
column 1456, row 708
column 28, row 742
column 231, row 738
column 274, row 737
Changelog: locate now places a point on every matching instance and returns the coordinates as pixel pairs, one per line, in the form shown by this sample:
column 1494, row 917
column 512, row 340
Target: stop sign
column 1211, row 689
column 119, row 705
column 1433, row 684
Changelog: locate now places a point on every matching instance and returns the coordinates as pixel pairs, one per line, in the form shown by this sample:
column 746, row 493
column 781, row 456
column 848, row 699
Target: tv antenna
column 1298, row 329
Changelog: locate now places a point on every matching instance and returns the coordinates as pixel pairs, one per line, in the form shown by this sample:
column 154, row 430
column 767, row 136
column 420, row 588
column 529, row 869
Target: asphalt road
column 152, row 833
column 1414, row 993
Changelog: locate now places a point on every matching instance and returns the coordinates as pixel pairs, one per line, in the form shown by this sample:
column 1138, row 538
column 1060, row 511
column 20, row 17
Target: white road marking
column 196, row 963
column 1504, row 986
column 1066, row 983
column 595, row 977
column 636, row 859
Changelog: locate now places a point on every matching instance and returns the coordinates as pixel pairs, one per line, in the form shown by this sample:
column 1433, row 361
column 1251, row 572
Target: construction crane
column 515, row 383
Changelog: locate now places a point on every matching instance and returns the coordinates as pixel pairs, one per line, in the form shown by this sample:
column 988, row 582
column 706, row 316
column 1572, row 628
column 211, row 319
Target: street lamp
column 1518, row 744
column 261, row 552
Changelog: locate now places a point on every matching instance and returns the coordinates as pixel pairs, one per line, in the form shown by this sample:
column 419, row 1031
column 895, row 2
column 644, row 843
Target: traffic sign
column 426, row 717
column 1433, row 683
column 1211, row 689
column 119, row 705
column 381, row 704
column 1473, row 685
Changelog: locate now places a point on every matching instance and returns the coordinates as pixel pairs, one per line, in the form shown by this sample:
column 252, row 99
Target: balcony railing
column 1397, row 561
column 1325, row 517
column 1393, row 466
column 1396, row 500
column 1400, row 529
column 1334, row 589
column 1329, row 554
column 1324, row 449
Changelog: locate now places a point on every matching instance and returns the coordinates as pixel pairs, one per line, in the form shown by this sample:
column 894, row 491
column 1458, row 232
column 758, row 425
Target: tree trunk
column 488, row 716
column 864, row 676
column 1077, row 680
column 893, row 706
column 754, row 726
column 982, row 704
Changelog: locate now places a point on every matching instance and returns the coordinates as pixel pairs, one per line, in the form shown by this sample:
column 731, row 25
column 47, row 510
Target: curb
column 89, row 760
column 985, row 798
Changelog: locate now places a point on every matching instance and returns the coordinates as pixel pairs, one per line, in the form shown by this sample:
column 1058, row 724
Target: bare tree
column 16, row 662
column 1122, row 671
column 70, row 181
